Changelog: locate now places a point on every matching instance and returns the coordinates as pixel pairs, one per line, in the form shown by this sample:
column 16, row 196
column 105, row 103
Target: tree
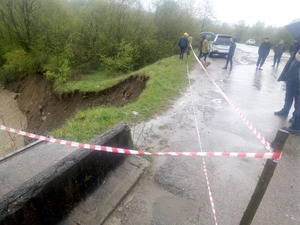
column 60, row 37
column 241, row 30
column 206, row 14
column 52, row 44
column 170, row 22
column 19, row 18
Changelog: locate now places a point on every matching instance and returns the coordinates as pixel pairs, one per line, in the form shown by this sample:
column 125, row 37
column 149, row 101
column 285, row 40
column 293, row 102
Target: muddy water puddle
column 12, row 117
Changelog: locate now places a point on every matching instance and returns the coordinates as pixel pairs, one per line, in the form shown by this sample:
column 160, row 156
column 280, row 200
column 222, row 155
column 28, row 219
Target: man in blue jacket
column 232, row 48
column 183, row 44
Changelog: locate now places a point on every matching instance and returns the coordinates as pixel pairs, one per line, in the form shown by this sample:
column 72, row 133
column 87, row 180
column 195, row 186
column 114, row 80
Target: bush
column 123, row 60
column 18, row 64
column 59, row 75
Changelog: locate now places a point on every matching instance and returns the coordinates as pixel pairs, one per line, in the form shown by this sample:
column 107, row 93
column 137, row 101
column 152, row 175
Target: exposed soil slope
column 46, row 110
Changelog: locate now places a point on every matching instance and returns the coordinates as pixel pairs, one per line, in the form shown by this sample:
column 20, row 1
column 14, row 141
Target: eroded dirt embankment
column 46, row 110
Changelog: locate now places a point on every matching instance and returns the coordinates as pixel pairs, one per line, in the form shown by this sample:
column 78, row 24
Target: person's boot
column 292, row 119
column 295, row 128
column 282, row 112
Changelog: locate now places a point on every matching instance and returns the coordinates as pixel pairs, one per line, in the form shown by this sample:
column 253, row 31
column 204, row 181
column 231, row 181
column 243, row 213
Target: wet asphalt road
column 175, row 190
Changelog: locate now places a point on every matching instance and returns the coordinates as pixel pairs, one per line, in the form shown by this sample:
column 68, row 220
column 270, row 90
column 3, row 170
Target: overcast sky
column 276, row 13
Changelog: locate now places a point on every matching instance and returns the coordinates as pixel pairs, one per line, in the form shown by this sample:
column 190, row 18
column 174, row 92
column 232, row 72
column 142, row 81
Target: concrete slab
column 22, row 166
column 98, row 206
column 44, row 182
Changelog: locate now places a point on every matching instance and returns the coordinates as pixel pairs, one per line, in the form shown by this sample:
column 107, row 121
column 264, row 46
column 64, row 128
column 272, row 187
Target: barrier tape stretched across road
column 275, row 155
column 272, row 154
column 242, row 116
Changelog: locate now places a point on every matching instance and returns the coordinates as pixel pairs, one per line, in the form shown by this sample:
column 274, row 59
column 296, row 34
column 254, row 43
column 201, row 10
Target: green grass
column 167, row 78
column 99, row 80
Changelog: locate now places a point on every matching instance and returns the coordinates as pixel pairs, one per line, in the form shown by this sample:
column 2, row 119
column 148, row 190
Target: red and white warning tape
column 242, row 116
column 275, row 155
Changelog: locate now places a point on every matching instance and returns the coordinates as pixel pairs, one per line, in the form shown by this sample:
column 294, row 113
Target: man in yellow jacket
column 204, row 48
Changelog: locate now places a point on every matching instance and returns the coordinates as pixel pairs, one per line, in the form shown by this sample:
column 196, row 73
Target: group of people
column 264, row 50
column 290, row 73
column 185, row 44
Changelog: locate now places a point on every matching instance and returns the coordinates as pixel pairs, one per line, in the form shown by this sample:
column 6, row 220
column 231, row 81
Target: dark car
column 210, row 34
column 220, row 45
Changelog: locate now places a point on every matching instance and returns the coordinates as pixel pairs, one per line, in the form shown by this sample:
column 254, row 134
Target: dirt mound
column 47, row 110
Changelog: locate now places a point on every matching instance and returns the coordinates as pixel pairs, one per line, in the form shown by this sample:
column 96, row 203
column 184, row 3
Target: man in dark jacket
column 232, row 48
column 295, row 65
column 183, row 44
column 294, row 46
column 263, row 52
column 279, row 49
column 290, row 76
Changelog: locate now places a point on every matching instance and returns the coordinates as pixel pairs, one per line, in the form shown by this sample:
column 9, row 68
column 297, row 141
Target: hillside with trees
column 60, row 39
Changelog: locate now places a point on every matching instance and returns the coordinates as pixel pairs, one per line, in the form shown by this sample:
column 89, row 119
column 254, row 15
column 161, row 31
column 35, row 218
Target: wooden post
column 264, row 179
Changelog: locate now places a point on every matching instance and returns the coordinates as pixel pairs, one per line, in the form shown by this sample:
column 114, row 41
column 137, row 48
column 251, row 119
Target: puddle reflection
column 257, row 80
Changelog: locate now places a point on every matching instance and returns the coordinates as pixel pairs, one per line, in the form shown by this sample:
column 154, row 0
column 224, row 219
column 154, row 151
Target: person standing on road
column 183, row 44
column 200, row 46
column 263, row 52
column 204, row 48
column 290, row 75
column 295, row 66
column 293, row 47
column 279, row 49
column 232, row 48
column 190, row 42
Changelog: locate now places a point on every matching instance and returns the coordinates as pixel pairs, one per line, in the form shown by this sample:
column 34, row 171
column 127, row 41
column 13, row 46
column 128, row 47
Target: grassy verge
column 167, row 78
column 97, row 81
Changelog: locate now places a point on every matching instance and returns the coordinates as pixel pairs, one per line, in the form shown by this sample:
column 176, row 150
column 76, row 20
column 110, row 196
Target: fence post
column 264, row 179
